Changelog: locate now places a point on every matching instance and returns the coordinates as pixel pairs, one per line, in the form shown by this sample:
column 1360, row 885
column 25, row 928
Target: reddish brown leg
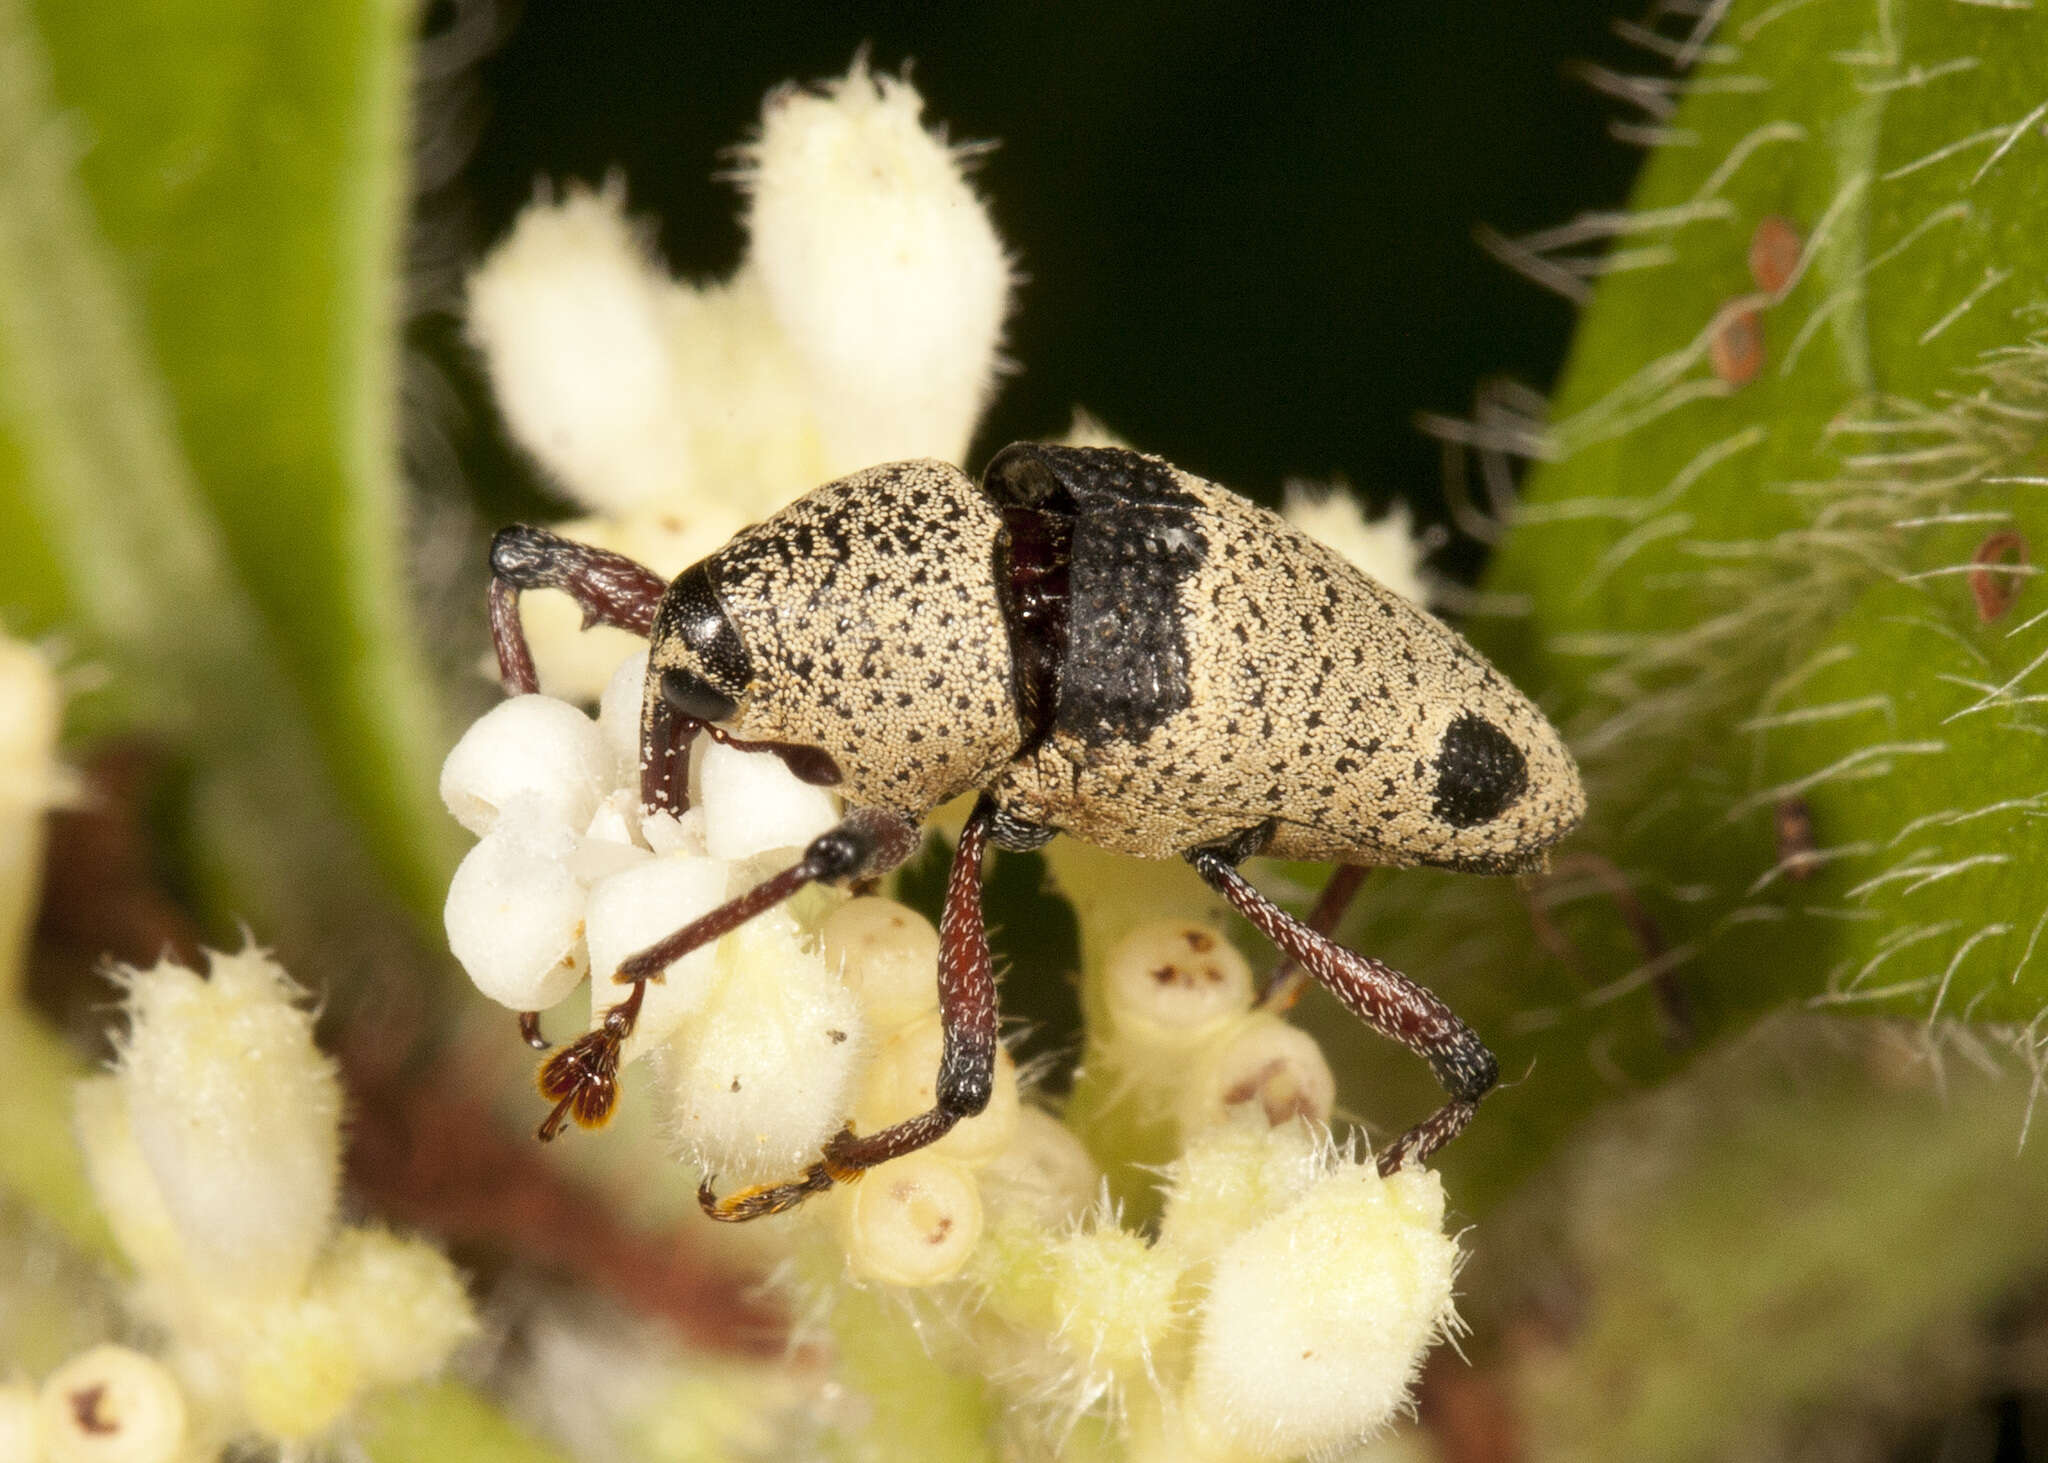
column 967, row 1062
column 1384, row 999
column 1283, row 987
column 611, row 589
column 582, row 1078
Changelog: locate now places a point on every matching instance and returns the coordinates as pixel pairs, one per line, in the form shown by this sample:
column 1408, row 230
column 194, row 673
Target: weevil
column 1100, row 645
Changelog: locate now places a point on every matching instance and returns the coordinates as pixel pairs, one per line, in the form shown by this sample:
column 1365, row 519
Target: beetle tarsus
column 762, row 1200
column 582, row 1079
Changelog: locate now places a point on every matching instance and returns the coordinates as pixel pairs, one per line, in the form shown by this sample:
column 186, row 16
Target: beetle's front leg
column 582, row 1078
column 1386, row 1000
column 610, row 588
column 967, row 1063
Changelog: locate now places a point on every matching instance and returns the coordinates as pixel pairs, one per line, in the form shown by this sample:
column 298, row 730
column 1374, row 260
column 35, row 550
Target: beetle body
column 1120, row 651
column 1101, row 645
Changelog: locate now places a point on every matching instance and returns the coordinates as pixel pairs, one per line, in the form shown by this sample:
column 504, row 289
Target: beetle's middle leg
column 582, row 1078
column 967, row 1062
column 1386, row 1000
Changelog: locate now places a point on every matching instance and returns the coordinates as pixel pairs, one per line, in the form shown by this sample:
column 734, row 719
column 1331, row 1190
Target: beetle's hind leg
column 582, row 1078
column 610, row 588
column 1384, row 999
column 1283, row 987
column 967, row 1062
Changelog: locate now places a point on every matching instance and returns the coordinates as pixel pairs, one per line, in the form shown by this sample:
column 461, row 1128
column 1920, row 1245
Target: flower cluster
column 1282, row 1298
column 862, row 326
column 214, row 1148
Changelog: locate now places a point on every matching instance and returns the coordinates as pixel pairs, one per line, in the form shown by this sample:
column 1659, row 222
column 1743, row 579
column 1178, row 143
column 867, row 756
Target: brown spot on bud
column 85, row 1407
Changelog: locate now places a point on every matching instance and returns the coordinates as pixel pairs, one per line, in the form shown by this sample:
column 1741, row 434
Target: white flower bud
column 607, row 846
column 19, row 1440
column 18, row 1427
column 888, row 955
column 515, row 913
column 401, row 1303
column 534, row 750
column 1233, row 1176
column 913, row 1221
column 762, row 1076
column 666, row 833
column 1097, row 1301
column 618, row 718
column 569, row 313
column 1172, row 982
column 753, row 804
column 1317, row 1319
column 121, row 1180
column 238, row 1115
column 881, row 265
column 902, row 1082
column 301, row 1372
column 636, row 908
column 1045, row 1173
column 111, row 1405
column 1385, row 548
column 1264, row 1066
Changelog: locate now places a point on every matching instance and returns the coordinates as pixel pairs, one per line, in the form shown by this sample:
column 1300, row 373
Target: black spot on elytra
column 1479, row 772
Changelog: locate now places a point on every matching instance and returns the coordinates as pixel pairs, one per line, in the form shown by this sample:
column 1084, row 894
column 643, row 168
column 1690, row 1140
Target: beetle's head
column 697, row 663
column 1501, row 786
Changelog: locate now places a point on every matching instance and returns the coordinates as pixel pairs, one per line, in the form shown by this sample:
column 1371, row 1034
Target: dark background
column 1246, row 228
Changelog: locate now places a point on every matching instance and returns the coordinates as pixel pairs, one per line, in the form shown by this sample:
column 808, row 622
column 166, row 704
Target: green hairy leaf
column 1808, row 395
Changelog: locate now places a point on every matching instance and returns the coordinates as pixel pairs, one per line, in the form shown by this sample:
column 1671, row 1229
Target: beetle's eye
column 694, row 698
column 1479, row 772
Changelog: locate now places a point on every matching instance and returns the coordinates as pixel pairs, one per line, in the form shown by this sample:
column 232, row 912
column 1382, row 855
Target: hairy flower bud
column 1317, row 1319
column 237, row 1114
column 762, row 1075
column 881, row 266
column 570, row 315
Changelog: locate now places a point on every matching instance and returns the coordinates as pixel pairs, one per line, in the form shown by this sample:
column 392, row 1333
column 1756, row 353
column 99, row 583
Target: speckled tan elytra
column 1103, row 646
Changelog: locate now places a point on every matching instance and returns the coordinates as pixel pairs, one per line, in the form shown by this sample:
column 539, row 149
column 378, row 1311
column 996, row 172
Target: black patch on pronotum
column 692, row 614
column 1479, row 772
column 1133, row 539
